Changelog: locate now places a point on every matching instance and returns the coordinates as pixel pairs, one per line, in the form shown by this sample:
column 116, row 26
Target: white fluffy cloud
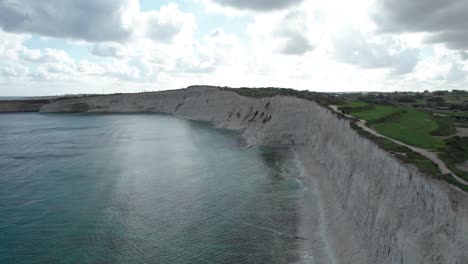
column 370, row 51
column 445, row 66
column 168, row 22
column 156, row 41
column 109, row 50
column 13, row 70
column 48, row 55
column 292, row 32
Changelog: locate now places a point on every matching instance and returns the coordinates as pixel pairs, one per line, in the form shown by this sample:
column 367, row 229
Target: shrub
column 406, row 99
column 440, row 92
column 435, row 99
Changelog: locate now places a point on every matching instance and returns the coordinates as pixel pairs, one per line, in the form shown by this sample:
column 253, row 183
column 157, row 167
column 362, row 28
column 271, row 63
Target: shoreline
column 313, row 247
column 373, row 208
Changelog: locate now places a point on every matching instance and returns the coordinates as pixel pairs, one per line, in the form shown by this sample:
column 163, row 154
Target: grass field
column 403, row 153
column 414, row 127
column 376, row 113
column 353, row 104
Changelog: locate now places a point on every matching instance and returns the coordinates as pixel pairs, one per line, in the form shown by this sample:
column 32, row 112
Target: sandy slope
column 362, row 205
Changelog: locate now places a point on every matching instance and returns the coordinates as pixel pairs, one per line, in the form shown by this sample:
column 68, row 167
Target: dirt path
column 463, row 166
column 428, row 154
column 462, row 131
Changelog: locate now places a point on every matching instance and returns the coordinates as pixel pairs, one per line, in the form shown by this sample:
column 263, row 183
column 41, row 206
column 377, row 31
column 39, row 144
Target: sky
column 55, row 47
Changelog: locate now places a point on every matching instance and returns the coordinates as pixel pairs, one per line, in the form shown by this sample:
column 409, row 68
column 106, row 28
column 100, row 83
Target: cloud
column 116, row 70
column 168, row 22
column 292, row 31
column 372, row 52
column 94, row 21
column 109, row 50
column 191, row 66
column 464, row 55
column 456, row 73
column 217, row 49
column 258, row 5
column 48, row 55
column 296, row 44
column 91, row 20
column 13, row 70
column 10, row 45
column 444, row 21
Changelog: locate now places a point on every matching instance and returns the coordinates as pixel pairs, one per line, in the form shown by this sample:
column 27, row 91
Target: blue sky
column 87, row 46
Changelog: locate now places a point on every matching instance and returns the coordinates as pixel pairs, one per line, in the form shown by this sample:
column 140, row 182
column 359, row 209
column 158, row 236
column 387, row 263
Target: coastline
column 314, row 245
column 372, row 208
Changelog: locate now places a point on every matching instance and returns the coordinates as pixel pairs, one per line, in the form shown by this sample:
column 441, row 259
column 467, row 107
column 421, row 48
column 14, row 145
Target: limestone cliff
column 368, row 207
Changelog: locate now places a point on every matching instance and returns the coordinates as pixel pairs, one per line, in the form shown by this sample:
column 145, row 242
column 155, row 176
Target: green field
column 414, row 127
column 376, row 113
column 403, row 153
column 353, row 104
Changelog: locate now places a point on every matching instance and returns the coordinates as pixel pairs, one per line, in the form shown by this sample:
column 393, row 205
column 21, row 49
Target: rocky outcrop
column 33, row 105
column 369, row 207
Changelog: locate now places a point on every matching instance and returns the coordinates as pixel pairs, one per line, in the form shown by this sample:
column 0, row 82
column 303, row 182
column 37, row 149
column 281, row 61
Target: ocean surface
column 141, row 188
column 4, row 98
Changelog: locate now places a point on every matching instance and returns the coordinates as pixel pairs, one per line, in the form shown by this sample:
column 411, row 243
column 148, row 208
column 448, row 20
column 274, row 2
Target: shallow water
column 141, row 189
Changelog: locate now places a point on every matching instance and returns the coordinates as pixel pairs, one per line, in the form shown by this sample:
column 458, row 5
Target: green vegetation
column 451, row 180
column 323, row 99
column 445, row 126
column 407, row 117
column 403, row 153
column 375, row 113
column 353, row 104
column 414, row 127
column 423, row 164
column 454, row 100
column 419, row 128
column 455, row 152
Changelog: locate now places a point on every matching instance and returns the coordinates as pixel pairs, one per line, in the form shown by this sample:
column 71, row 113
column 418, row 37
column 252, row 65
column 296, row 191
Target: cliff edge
column 369, row 207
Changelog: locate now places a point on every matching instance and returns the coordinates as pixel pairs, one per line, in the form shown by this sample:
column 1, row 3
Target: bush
column 406, row 99
column 435, row 99
column 461, row 92
column 440, row 92
column 320, row 98
column 445, row 127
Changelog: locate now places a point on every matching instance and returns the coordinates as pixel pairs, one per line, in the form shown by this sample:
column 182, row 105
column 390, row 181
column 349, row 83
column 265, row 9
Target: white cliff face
column 367, row 206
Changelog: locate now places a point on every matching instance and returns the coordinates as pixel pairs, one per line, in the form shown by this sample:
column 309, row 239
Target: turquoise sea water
column 140, row 189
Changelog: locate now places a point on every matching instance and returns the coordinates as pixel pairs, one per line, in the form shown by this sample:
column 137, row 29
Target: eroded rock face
column 79, row 108
column 368, row 207
column 22, row 105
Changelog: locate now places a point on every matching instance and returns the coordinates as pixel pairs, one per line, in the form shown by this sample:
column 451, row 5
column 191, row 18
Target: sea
column 141, row 188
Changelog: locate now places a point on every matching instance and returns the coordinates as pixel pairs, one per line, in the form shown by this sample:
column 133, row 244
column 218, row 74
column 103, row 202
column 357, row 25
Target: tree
column 406, row 99
column 436, row 100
